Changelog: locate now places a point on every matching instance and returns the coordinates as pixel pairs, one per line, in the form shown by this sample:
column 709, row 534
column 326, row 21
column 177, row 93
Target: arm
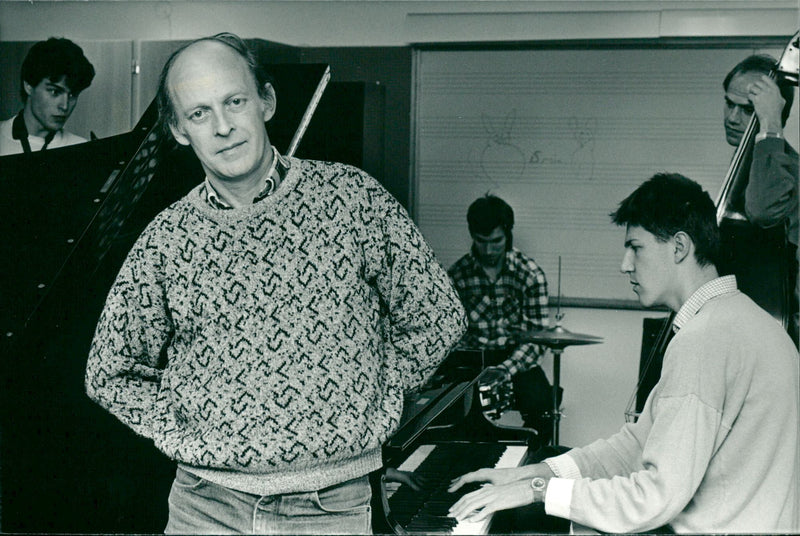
column 424, row 318
column 645, row 475
column 771, row 193
column 535, row 316
column 123, row 370
column 504, row 489
column 657, row 464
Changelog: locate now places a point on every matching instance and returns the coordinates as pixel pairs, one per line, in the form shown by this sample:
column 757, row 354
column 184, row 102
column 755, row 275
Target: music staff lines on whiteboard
column 560, row 218
column 555, row 173
column 566, row 83
column 562, row 128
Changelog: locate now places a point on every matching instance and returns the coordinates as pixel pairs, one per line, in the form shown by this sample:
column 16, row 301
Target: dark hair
column 668, row 203
column 55, row 59
column 166, row 111
column 489, row 212
column 763, row 63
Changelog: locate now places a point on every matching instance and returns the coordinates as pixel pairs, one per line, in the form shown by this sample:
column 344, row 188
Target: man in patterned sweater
column 504, row 291
column 263, row 329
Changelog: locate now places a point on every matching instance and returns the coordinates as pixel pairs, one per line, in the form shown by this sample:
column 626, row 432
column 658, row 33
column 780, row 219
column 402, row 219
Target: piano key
column 425, row 511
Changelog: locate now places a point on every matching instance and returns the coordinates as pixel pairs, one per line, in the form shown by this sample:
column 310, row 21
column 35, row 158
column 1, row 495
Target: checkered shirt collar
column 712, row 289
column 277, row 172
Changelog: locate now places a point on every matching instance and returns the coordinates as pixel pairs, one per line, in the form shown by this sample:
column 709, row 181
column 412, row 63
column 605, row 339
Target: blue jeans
column 197, row 506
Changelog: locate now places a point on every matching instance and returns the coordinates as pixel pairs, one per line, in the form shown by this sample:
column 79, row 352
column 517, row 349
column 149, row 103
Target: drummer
column 504, row 291
column 715, row 448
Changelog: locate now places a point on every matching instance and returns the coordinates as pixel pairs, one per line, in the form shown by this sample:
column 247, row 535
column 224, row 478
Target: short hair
column 764, row 64
column 166, row 110
column 489, row 212
column 55, row 59
column 668, row 203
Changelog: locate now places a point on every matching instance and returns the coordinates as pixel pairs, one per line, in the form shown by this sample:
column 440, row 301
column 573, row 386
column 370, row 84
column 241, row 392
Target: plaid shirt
column 517, row 300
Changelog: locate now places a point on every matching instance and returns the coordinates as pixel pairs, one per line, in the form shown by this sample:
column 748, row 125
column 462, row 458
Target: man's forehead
column 59, row 82
column 208, row 65
column 205, row 60
column 638, row 233
column 740, row 84
column 497, row 232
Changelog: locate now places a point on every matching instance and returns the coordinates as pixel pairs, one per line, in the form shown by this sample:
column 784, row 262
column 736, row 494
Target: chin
column 733, row 139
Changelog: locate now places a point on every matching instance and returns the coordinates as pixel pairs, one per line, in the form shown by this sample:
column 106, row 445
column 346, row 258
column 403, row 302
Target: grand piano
column 460, row 421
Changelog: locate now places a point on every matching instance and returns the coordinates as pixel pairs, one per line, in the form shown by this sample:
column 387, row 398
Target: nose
column 627, row 262
column 222, row 124
column 63, row 102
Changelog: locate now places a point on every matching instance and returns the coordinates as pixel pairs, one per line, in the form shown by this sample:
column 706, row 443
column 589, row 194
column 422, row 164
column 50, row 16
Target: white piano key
column 511, row 457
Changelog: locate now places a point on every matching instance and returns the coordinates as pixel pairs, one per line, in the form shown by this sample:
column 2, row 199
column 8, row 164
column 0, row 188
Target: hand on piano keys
column 426, row 510
column 478, row 505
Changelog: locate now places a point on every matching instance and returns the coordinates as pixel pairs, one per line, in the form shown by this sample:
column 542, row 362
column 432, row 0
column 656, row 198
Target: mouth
column 733, row 131
column 230, row 148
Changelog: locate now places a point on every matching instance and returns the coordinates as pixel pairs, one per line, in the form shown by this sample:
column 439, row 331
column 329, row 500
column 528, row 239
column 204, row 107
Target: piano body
column 444, row 434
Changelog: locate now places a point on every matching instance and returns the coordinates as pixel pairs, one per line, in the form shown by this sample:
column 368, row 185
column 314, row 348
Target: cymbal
column 557, row 337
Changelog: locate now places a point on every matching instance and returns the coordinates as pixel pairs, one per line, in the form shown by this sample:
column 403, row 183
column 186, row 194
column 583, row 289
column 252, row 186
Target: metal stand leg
column 556, row 380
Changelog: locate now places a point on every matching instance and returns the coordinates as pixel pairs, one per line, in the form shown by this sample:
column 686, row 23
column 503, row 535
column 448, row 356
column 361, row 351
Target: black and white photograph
column 399, row 267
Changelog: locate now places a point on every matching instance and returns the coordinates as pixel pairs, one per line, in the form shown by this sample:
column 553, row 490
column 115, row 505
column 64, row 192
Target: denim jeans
column 197, row 506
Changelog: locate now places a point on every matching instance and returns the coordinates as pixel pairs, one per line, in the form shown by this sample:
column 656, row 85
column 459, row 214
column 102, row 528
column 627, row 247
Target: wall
column 598, row 379
column 396, row 23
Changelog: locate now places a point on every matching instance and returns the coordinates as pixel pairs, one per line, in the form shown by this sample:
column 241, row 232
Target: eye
column 236, row 103
column 198, row 116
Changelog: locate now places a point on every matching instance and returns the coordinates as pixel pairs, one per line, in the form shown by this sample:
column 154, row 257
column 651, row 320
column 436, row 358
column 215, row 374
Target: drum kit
column 557, row 338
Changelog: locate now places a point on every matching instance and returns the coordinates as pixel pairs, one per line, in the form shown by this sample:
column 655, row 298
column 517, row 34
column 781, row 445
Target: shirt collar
column 277, row 172
column 712, row 289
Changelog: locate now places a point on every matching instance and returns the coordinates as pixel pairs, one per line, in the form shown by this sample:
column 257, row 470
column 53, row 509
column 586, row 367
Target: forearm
column 771, row 193
column 524, row 357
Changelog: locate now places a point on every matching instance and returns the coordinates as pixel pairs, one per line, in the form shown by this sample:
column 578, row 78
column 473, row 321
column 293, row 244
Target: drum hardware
column 557, row 338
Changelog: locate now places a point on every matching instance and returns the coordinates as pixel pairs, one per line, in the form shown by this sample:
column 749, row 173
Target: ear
column 683, row 246
column 28, row 88
column 178, row 134
column 269, row 102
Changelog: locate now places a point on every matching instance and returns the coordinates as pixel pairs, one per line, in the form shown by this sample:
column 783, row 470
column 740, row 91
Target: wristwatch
column 538, row 485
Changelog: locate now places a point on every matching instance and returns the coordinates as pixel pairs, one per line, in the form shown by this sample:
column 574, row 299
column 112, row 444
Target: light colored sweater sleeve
column 127, row 353
column 671, row 445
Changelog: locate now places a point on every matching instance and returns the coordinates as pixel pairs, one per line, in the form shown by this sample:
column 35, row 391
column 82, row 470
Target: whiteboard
column 563, row 135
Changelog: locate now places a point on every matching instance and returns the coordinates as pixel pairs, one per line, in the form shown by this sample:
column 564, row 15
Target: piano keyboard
column 425, row 511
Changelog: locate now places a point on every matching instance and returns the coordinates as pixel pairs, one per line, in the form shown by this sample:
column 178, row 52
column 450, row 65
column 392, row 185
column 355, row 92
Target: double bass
column 764, row 261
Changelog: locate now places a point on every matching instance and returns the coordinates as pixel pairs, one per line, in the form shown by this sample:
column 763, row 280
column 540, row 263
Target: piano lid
column 64, row 209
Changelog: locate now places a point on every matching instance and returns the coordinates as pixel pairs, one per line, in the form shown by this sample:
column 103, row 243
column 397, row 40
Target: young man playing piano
column 263, row 328
column 716, row 446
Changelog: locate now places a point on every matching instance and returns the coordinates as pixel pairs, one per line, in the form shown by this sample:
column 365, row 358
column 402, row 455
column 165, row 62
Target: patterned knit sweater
column 269, row 347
